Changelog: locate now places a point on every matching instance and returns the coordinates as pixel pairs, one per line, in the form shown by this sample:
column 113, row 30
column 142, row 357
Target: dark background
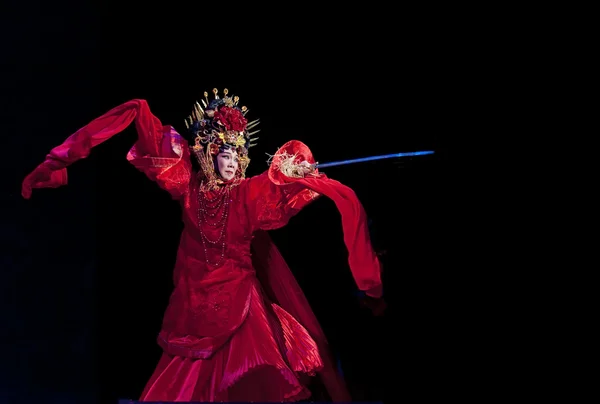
column 86, row 269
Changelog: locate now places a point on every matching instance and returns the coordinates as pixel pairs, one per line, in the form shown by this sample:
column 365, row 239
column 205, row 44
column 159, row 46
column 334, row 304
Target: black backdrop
column 86, row 269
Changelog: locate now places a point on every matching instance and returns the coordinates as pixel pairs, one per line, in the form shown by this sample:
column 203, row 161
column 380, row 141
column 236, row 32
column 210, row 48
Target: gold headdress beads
column 220, row 124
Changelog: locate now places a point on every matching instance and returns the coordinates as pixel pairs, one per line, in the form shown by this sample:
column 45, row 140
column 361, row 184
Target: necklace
column 213, row 212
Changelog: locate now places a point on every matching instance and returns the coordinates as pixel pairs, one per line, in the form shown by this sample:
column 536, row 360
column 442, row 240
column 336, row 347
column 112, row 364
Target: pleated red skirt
column 269, row 358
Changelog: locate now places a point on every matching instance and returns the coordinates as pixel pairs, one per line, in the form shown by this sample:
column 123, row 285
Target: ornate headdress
column 216, row 125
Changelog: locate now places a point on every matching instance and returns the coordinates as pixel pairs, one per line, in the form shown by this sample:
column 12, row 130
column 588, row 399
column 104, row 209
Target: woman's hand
column 307, row 168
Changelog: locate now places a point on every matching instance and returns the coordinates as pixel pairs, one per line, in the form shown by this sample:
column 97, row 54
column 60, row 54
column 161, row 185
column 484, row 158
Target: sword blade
column 385, row 156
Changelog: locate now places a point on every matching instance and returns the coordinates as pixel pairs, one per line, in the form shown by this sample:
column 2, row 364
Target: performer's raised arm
column 290, row 184
column 160, row 152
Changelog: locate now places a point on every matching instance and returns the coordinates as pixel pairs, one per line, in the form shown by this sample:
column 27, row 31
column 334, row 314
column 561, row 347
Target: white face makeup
column 227, row 163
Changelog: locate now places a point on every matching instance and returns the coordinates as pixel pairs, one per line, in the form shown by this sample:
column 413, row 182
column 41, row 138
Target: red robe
column 223, row 338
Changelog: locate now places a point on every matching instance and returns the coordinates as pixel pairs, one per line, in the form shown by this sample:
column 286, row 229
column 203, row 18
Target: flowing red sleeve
column 272, row 206
column 160, row 152
column 275, row 198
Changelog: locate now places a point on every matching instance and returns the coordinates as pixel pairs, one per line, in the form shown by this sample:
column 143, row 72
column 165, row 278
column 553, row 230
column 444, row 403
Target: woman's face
column 227, row 163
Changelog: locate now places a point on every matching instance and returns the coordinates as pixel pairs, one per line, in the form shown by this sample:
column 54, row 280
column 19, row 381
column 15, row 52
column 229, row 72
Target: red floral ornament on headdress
column 231, row 118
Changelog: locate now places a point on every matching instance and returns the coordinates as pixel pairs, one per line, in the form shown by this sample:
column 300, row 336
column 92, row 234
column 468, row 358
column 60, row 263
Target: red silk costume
column 237, row 326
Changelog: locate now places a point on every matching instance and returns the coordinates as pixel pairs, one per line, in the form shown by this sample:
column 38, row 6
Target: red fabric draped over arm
column 362, row 258
column 271, row 206
column 160, row 152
